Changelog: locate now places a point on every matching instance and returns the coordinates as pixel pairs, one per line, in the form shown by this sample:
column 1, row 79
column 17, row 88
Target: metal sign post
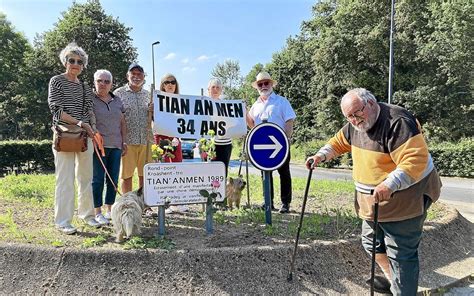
column 268, row 149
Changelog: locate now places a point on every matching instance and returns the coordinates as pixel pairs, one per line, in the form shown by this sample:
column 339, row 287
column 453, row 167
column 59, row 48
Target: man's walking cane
column 374, row 244
column 308, row 182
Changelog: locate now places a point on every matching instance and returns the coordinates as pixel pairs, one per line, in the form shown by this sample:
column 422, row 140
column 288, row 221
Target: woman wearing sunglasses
column 109, row 112
column 170, row 84
column 70, row 102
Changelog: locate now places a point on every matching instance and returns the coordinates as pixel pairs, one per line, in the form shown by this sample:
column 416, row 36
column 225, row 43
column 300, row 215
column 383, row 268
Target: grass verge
column 27, row 210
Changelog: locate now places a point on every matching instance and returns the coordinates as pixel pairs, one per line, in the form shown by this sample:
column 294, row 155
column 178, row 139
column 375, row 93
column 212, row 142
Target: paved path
column 457, row 192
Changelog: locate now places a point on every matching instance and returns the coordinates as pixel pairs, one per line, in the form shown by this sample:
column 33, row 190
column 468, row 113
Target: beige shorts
column 134, row 159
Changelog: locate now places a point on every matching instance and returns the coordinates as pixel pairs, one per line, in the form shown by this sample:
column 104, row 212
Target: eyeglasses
column 265, row 83
column 359, row 114
column 103, row 81
column 74, row 61
column 173, row 82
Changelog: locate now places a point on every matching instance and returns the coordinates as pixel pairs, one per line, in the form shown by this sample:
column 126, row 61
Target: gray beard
column 265, row 93
column 366, row 125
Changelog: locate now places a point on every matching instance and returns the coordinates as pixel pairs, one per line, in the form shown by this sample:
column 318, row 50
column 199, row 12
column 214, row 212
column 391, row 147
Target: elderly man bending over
column 390, row 159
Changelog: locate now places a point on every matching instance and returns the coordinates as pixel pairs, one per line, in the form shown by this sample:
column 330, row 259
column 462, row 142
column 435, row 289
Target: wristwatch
column 79, row 124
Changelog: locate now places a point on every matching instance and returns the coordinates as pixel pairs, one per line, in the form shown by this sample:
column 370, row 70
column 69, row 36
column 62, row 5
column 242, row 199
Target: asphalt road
column 457, row 192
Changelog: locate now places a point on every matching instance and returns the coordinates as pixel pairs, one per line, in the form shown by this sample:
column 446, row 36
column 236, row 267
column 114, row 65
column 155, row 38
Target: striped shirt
column 222, row 141
column 68, row 96
column 219, row 140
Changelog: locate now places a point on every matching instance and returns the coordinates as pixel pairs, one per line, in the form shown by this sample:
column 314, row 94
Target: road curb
column 322, row 267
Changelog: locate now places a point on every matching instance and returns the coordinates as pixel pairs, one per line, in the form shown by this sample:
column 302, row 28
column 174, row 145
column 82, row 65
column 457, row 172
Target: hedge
column 454, row 159
column 451, row 159
column 26, row 156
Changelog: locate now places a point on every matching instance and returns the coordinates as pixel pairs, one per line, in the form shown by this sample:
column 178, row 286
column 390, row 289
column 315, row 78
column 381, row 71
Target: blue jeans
column 400, row 241
column 111, row 161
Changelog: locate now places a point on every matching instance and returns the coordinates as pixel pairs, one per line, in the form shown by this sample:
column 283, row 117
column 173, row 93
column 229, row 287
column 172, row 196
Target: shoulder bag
column 70, row 137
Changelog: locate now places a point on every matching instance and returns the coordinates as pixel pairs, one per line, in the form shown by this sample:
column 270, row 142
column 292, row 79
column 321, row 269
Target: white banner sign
column 179, row 183
column 192, row 117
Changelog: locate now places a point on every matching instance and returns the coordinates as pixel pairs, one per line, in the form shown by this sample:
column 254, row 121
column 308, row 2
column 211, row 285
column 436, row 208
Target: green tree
column 104, row 38
column 442, row 86
column 346, row 44
column 246, row 91
column 229, row 73
column 293, row 70
column 13, row 48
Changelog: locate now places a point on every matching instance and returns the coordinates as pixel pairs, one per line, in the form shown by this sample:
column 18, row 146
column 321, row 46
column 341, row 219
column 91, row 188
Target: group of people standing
column 391, row 162
column 121, row 118
column 71, row 101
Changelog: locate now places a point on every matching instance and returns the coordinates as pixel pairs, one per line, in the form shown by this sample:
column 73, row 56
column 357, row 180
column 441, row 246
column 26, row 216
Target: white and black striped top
column 222, row 141
column 68, row 96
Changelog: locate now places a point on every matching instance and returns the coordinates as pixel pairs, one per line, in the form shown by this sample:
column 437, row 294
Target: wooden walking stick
column 308, row 182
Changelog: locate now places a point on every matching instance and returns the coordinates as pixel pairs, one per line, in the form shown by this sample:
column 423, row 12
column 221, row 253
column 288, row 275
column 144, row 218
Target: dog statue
column 127, row 215
column 233, row 192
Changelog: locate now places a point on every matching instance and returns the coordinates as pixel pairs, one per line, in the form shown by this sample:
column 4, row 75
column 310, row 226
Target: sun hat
column 263, row 76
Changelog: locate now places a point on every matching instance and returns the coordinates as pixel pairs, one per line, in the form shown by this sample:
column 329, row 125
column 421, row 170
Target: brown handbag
column 70, row 137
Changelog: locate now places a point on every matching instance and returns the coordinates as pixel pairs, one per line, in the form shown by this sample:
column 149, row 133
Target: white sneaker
column 67, row 229
column 92, row 222
column 177, row 209
column 101, row 219
column 108, row 216
column 183, row 208
column 170, row 210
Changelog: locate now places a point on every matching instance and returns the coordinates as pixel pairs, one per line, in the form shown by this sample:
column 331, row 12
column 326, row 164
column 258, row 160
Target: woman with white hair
column 109, row 114
column 70, row 102
column 223, row 145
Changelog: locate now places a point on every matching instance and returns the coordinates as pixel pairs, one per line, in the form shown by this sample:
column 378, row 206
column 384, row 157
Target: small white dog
column 127, row 215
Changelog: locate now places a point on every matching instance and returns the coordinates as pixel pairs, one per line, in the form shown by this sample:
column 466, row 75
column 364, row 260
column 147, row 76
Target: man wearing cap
column 275, row 109
column 136, row 104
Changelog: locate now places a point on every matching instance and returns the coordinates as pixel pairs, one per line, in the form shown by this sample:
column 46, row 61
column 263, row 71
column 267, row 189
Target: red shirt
column 178, row 154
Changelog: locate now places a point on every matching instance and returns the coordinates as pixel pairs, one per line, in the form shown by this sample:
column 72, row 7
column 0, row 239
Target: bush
column 451, row 159
column 26, row 156
column 454, row 159
column 302, row 151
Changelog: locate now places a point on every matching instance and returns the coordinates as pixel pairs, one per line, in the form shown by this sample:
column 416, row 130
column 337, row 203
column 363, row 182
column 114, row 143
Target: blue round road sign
column 267, row 146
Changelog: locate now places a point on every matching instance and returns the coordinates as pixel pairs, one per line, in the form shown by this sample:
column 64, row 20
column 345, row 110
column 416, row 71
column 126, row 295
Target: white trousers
column 70, row 166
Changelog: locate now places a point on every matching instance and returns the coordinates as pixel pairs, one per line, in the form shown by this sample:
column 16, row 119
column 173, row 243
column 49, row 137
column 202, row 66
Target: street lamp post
column 153, row 59
column 390, row 63
column 161, row 209
column 152, row 88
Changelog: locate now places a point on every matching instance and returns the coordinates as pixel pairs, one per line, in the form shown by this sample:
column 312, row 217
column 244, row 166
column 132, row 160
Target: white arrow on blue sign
column 267, row 146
